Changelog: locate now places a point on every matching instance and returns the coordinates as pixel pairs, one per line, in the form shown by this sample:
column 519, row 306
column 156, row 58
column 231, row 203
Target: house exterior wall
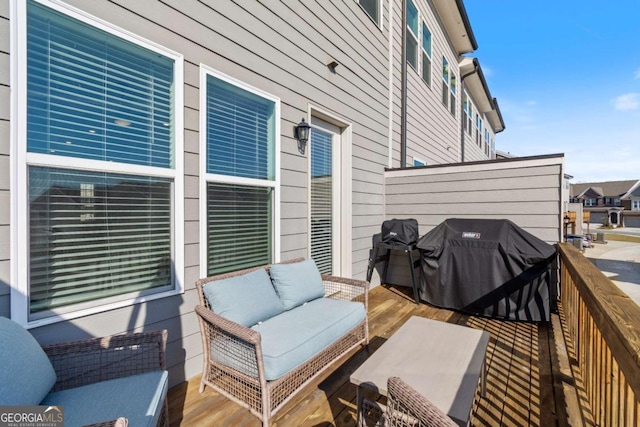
column 472, row 150
column 525, row 190
column 283, row 48
column 262, row 45
column 433, row 134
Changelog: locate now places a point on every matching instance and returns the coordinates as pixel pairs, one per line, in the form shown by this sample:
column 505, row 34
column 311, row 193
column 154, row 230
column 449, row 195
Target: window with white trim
column 372, row 7
column 469, row 114
column 445, row 82
column 101, row 174
column 452, row 94
column 412, row 29
column 635, row 205
column 448, row 87
column 591, row 202
column 418, row 162
column 465, row 110
column 486, row 141
column 478, row 130
column 240, row 149
column 426, row 54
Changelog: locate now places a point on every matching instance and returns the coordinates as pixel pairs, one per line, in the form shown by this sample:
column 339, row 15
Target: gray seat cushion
column 26, row 374
column 138, row 398
column 295, row 336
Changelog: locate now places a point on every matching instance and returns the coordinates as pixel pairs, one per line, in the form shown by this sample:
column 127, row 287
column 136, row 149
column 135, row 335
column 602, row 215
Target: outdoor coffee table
column 441, row 361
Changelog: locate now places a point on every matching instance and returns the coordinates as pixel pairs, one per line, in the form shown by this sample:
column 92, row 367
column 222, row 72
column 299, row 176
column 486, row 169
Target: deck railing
column 604, row 326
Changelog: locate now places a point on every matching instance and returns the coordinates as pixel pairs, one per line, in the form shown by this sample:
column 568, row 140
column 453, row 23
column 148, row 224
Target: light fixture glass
column 302, row 135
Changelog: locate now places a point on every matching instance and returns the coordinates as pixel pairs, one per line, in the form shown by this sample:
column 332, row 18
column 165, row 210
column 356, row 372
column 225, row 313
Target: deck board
column 520, row 376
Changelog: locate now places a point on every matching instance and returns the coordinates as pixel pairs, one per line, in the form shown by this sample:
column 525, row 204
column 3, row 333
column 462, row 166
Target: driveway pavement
column 619, row 261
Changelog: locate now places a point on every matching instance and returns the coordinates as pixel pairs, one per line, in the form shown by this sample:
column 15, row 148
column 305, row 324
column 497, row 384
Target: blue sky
column 566, row 74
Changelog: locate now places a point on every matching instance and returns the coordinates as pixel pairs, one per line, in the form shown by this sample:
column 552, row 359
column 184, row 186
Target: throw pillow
column 246, row 299
column 297, row 283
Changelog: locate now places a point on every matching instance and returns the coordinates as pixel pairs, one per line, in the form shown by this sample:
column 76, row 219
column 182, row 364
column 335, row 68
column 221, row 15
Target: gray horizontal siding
column 4, row 68
column 472, row 151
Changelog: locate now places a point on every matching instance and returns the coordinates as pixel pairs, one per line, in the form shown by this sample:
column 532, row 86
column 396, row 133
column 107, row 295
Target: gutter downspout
column 391, row 91
column 462, row 135
column 403, row 108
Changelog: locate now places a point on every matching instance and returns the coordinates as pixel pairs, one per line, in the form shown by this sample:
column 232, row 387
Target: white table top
column 442, row 361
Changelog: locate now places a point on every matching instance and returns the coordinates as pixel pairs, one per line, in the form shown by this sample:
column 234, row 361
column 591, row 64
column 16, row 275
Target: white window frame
column 486, row 141
column 469, row 118
column 451, row 93
column 635, row 205
column 21, row 160
column 590, row 202
column 478, row 129
column 428, row 54
column 380, row 11
column 205, row 177
column 416, row 37
column 345, row 170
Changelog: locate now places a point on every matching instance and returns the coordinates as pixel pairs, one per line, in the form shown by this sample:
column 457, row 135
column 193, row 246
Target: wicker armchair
column 79, row 363
column 96, row 380
column 405, row 408
column 233, row 357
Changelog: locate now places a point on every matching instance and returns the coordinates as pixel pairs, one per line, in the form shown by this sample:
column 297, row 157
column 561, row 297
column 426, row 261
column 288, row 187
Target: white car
column 586, row 242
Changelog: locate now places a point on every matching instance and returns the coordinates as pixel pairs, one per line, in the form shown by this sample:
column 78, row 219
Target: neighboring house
column 504, row 155
column 146, row 144
column 617, row 201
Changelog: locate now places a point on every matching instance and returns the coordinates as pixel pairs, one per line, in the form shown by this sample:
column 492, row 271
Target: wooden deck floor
column 528, row 380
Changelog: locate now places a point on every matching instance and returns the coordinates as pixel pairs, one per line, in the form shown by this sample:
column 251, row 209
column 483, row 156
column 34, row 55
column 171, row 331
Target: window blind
column 96, row 235
column 95, row 96
column 240, row 132
column 322, row 200
column 239, row 227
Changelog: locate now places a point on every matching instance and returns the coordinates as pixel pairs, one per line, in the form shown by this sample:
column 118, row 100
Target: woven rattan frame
column 242, row 347
column 90, row 361
column 405, row 408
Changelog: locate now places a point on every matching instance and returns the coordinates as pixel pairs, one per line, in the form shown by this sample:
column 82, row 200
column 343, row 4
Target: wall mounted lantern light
column 566, row 221
column 301, row 133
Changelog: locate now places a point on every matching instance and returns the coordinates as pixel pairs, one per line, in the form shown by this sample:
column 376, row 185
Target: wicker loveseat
column 268, row 331
column 98, row 381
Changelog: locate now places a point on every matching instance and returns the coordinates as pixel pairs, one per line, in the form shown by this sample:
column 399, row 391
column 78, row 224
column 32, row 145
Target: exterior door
column 325, row 196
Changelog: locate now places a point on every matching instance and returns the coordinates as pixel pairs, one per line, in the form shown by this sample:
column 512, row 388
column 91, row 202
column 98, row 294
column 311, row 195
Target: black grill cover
column 486, row 267
column 403, row 231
